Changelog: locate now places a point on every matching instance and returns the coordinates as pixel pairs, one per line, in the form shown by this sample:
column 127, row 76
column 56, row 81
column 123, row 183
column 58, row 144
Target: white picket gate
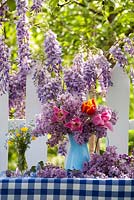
column 117, row 98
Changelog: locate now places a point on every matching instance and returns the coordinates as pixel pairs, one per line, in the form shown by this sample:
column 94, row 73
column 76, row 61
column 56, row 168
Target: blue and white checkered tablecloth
column 66, row 189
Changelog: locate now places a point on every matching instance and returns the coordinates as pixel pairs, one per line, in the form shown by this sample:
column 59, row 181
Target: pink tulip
column 106, row 115
column 59, row 114
column 102, row 119
column 75, row 124
column 97, row 120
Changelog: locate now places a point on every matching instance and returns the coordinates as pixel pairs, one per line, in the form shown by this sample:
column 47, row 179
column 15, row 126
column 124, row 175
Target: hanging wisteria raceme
column 90, row 71
column 21, row 7
column 78, row 62
column 4, row 66
column 104, row 75
column 118, row 55
column 37, row 5
column 23, row 37
column 129, row 46
column 53, row 53
column 48, row 88
column 17, row 92
column 74, row 81
column 17, row 82
column 73, row 77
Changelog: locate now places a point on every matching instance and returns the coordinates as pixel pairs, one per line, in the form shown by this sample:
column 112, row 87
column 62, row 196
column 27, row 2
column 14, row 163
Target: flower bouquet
column 20, row 137
column 69, row 99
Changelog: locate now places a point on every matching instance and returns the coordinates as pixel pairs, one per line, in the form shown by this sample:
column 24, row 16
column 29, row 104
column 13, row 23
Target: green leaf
column 53, row 3
column 11, row 4
column 33, row 169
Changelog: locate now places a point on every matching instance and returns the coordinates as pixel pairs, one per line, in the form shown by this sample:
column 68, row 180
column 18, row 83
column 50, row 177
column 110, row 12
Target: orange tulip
column 89, row 107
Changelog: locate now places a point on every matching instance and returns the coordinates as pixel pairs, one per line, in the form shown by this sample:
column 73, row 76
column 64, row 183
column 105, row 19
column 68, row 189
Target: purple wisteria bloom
column 48, row 88
column 4, row 66
column 17, row 93
column 104, row 75
column 23, row 37
column 78, row 62
column 90, row 71
column 128, row 46
column 3, row 10
column 74, row 78
column 37, row 4
column 118, row 54
column 53, row 53
column 74, row 81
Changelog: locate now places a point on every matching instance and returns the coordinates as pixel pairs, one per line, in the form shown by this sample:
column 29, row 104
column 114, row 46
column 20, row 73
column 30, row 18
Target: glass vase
column 22, row 163
column 77, row 155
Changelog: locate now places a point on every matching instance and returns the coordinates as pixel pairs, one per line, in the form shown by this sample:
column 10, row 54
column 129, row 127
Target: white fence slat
column 3, row 130
column 131, row 124
column 118, row 100
column 38, row 148
column 12, row 122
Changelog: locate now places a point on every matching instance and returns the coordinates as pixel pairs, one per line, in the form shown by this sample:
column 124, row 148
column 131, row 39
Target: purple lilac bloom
column 37, row 4
column 4, row 66
column 51, row 171
column 109, row 164
column 62, row 147
column 118, row 54
column 70, row 103
column 44, row 125
column 53, row 53
column 23, row 37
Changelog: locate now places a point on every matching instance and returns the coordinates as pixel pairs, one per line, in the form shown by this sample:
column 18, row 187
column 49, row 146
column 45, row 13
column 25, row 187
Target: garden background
column 79, row 25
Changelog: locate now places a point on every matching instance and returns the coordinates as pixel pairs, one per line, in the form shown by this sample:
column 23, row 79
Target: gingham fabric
column 66, row 189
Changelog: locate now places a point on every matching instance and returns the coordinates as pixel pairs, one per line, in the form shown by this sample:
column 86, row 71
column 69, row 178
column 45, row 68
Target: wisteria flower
column 63, row 91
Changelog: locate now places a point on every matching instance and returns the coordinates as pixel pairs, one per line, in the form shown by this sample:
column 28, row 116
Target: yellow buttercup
column 18, row 134
column 33, row 138
column 24, row 129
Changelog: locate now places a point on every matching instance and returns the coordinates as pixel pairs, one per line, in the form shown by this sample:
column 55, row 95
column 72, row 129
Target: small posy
column 24, row 129
column 18, row 134
column 10, row 142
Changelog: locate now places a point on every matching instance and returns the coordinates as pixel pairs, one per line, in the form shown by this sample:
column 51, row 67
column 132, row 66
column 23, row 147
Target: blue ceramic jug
column 77, row 155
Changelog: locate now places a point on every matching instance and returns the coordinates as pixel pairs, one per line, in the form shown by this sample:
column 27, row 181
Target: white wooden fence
column 117, row 98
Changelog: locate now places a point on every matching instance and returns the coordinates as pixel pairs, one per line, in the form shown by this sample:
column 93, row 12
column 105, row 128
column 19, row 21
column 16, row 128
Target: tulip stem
column 96, row 145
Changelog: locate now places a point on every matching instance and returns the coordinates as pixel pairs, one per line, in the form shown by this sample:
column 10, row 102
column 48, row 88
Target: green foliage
column 11, row 4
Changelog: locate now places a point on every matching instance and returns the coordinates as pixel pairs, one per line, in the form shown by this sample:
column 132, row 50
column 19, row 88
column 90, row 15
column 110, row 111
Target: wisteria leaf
column 11, row 4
